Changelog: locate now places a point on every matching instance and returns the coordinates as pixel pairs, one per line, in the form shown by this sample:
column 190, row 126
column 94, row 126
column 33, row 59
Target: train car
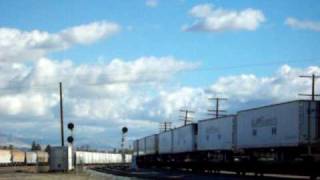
column 82, row 158
column 151, row 144
column 165, row 147
column 95, row 157
column 135, row 147
column 17, row 157
column 166, row 142
column 184, row 139
column 5, row 157
column 91, row 158
column 280, row 131
column 117, row 158
column 141, row 146
column 216, row 138
column 31, row 158
column 149, row 156
column 128, row 158
column 42, row 157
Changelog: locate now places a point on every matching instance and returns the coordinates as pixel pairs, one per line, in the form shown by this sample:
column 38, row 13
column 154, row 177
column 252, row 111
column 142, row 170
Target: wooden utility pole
column 217, row 111
column 61, row 114
column 313, row 78
column 313, row 95
column 164, row 126
column 186, row 118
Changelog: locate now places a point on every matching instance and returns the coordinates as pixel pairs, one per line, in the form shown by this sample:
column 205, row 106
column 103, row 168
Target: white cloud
column 152, row 3
column 30, row 104
column 89, row 33
column 185, row 97
column 213, row 19
column 17, row 45
column 303, row 24
column 104, row 108
column 250, row 90
column 101, row 95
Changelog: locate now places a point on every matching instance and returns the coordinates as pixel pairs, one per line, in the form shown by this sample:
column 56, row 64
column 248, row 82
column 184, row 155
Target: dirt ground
column 76, row 175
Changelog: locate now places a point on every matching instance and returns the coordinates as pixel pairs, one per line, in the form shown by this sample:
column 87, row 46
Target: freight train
column 21, row 158
column 17, row 157
column 96, row 158
column 281, row 137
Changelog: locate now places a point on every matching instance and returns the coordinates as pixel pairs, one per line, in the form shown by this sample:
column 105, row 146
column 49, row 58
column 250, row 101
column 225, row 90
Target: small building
column 61, row 158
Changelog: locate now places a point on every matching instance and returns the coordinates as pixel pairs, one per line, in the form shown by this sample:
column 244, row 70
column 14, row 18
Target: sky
column 135, row 63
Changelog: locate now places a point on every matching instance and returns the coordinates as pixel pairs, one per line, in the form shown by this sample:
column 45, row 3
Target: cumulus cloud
column 99, row 96
column 248, row 90
column 152, row 3
column 19, row 104
column 214, row 19
column 88, row 33
column 100, row 103
column 303, row 24
column 17, row 45
column 110, row 80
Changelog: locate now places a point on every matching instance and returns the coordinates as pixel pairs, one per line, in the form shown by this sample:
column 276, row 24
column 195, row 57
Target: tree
column 33, row 146
column 38, row 147
column 11, row 146
column 48, row 148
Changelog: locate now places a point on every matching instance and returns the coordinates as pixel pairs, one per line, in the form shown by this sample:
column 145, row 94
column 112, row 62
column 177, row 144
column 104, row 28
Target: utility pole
column 313, row 95
column 217, row 111
column 164, row 126
column 186, row 118
column 61, row 114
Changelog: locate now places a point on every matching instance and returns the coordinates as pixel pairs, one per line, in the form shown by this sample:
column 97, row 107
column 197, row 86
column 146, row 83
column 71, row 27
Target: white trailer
column 184, row 138
column 141, row 146
column 279, row 125
column 128, row 158
column 151, row 143
column 216, row 134
column 31, row 157
column 166, row 142
column 135, row 147
column 5, row 156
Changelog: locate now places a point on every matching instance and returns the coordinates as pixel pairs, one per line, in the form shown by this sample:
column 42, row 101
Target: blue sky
column 168, row 54
column 157, row 32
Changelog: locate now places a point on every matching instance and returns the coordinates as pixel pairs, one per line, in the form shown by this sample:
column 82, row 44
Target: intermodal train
column 18, row 157
column 284, row 137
